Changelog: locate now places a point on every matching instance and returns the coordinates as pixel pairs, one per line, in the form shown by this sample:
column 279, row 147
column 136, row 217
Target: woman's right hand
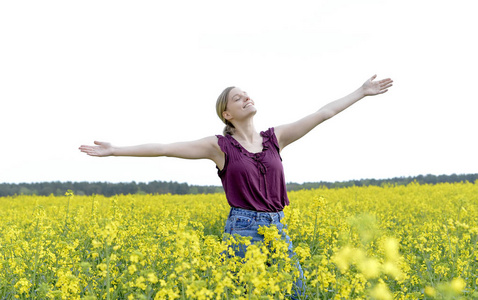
column 102, row 149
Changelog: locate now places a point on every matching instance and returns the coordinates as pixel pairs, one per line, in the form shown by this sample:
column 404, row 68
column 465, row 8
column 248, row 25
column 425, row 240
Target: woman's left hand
column 372, row 88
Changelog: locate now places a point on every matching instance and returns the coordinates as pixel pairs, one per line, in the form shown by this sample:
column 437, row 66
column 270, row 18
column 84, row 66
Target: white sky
column 133, row 72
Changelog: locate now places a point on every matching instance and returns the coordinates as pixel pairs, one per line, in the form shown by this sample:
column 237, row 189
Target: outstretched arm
column 289, row 133
column 206, row 148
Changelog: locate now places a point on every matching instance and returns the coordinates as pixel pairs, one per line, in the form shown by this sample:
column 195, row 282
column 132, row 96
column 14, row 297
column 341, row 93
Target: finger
column 91, row 153
column 97, row 143
column 386, row 81
column 386, row 86
column 87, row 149
column 373, row 77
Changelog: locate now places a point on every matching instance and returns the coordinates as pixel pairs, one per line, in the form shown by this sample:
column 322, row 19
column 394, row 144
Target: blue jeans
column 246, row 223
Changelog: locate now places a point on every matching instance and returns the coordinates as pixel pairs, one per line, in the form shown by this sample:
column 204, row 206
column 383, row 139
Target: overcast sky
column 133, row 72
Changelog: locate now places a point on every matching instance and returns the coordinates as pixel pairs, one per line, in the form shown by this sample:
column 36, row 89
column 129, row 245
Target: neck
column 245, row 130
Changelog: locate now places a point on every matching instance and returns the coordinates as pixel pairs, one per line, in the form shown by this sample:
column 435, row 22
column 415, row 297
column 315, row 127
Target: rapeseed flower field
column 389, row 242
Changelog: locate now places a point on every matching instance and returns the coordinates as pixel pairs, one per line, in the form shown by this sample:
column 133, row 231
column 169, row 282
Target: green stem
column 67, row 213
column 108, row 281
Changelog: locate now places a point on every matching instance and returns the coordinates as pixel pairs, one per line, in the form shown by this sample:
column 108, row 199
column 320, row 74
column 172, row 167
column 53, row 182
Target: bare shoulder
column 212, row 144
column 204, row 148
column 211, row 141
column 215, row 154
column 279, row 133
column 278, row 130
column 209, row 144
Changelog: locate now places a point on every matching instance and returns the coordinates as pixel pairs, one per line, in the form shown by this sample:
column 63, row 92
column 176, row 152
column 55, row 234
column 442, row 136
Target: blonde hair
column 221, row 106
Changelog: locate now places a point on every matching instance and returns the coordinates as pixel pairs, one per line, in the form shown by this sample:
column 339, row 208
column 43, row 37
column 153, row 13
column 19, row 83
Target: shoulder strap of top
column 223, row 143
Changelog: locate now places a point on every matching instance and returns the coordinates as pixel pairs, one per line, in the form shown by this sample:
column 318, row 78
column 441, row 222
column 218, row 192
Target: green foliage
column 58, row 188
column 104, row 188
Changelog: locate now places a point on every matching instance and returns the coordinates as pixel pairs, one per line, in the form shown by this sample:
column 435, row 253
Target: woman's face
column 239, row 105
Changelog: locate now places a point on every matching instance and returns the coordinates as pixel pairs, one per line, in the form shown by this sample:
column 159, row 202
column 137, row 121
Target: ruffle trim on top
column 267, row 138
column 221, row 141
column 269, row 135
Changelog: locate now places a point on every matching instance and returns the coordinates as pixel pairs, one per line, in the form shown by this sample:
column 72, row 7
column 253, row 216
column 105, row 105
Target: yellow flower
column 23, row 285
column 140, row 283
column 429, row 291
column 134, row 258
column 381, row 292
column 393, row 270
column 96, row 244
column 458, row 285
column 168, row 293
column 173, row 244
column 391, row 249
column 303, row 251
column 132, row 269
column 369, row 267
column 152, row 278
column 342, row 258
column 102, row 269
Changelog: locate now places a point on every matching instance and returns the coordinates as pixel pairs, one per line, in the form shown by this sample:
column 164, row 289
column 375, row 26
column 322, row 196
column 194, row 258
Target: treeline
column 162, row 187
column 422, row 179
column 104, row 188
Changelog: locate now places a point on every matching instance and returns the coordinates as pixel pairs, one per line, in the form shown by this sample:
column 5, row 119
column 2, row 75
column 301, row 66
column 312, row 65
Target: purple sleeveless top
column 253, row 181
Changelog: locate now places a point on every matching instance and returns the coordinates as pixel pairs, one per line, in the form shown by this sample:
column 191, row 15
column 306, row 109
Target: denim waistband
column 273, row 216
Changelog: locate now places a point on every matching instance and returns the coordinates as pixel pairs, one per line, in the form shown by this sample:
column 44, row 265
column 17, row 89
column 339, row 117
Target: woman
column 248, row 162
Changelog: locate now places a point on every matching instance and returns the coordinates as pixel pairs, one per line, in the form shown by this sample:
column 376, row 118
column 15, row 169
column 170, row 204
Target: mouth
column 248, row 104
